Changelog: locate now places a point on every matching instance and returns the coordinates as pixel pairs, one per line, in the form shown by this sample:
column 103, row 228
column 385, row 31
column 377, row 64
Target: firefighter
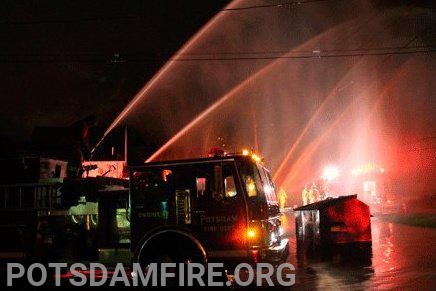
column 313, row 193
column 305, row 195
column 282, row 197
column 78, row 146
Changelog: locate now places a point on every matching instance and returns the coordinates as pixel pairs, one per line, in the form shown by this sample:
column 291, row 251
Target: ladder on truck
column 42, row 196
column 20, row 206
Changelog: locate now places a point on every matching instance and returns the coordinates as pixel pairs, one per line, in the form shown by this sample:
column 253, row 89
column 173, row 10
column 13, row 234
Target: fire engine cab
column 221, row 208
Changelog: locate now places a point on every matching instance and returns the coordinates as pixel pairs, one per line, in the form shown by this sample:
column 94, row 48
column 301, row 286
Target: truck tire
column 170, row 246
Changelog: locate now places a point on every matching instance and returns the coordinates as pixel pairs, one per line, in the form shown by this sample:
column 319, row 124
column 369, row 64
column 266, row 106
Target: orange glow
column 239, row 235
column 165, row 174
column 256, row 158
column 251, row 187
column 366, row 169
column 251, row 233
column 112, row 169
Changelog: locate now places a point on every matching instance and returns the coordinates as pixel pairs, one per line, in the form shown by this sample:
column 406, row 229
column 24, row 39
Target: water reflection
column 386, row 243
column 344, row 266
column 401, row 257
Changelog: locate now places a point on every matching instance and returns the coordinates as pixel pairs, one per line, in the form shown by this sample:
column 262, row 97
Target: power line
column 109, row 56
column 312, row 56
column 291, row 3
column 304, row 52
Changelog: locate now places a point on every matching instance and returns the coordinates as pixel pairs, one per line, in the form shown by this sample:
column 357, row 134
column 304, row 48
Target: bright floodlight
column 330, row 173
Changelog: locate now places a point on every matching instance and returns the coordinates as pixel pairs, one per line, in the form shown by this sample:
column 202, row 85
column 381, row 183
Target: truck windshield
column 268, row 186
column 259, row 188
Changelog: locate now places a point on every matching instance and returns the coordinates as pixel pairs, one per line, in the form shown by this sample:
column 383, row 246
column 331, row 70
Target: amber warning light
column 251, row 233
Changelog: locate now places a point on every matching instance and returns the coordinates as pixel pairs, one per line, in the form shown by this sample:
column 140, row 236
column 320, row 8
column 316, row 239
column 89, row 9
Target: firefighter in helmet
column 78, row 146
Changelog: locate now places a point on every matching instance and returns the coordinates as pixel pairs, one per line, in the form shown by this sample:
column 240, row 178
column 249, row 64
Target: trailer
column 333, row 223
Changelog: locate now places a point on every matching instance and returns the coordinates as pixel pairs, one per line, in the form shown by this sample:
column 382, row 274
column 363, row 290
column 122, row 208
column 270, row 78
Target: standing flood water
column 403, row 257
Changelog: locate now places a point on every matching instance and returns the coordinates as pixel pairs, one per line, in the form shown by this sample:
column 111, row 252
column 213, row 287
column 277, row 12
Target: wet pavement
column 402, row 257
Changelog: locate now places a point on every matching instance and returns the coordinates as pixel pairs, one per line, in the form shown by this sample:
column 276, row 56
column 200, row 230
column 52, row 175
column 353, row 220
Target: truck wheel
column 170, row 248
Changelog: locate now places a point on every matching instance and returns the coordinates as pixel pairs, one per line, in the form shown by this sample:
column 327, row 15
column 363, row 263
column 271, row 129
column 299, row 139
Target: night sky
column 63, row 60
column 306, row 83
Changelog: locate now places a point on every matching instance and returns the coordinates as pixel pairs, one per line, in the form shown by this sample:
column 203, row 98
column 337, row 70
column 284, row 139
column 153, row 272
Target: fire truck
column 221, row 208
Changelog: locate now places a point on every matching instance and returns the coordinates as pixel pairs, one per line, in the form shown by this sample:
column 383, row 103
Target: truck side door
column 219, row 213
